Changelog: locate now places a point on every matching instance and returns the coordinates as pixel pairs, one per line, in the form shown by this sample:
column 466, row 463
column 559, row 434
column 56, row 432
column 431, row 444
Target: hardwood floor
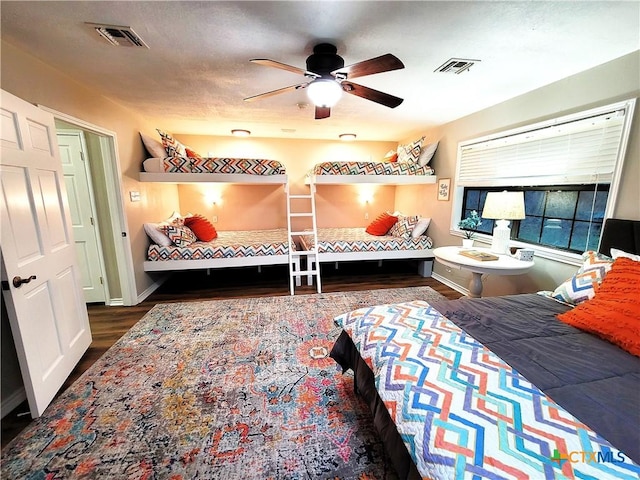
column 108, row 324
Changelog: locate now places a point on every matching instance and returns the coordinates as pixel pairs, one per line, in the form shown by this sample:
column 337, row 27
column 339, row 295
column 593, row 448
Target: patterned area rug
column 229, row 389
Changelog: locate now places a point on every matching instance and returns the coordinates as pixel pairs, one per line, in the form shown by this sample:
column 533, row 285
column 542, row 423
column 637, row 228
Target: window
column 566, row 218
column 568, row 168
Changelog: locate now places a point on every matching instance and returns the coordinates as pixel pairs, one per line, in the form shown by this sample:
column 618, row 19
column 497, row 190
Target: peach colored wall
column 243, row 207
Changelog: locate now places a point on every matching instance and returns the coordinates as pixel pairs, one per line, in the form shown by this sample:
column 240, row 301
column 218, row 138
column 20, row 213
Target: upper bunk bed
column 178, row 169
column 173, row 162
column 384, row 173
column 408, row 165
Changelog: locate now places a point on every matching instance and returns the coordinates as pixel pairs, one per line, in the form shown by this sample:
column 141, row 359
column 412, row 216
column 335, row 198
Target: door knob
column 17, row 281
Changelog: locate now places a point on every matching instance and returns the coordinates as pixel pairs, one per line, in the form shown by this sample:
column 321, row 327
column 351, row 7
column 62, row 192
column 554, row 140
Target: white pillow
column 153, row 146
column 617, row 253
column 154, row 233
column 421, row 227
column 153, row 165
column 426, row 154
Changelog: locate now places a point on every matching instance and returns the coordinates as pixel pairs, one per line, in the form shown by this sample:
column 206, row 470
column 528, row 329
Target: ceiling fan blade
column 322, row 112
column 383, row 63
column 276, row 92
column 283, row 66
column 377, row 96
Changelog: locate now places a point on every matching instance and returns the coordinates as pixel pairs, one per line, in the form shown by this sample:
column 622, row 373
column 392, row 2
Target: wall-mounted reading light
column 347, row 136
column 240, row 132
column 365, row 194
column 213, row 197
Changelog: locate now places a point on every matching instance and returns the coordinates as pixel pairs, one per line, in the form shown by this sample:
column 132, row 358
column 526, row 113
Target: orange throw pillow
column 381, row 225
column 192, row 154
column 614, row 312
column 391, row 156
column 201, row 227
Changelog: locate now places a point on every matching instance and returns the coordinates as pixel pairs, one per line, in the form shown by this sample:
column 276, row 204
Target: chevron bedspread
column 371, row 168
column 228, row 244
column 462, row 412
column 250, row 166
column 339, row 240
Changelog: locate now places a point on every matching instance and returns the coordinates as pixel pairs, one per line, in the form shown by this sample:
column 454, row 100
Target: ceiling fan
column 328, row 78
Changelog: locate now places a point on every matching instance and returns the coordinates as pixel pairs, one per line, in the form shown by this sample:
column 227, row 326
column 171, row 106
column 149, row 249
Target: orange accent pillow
column 614, row 312
column 201, row 227
column 391, row 156
column 193, row 154
column 381, row 225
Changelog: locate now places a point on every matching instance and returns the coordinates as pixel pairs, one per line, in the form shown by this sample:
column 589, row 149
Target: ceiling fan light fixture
column 347, row 137
column 240, row 132
column 324, row 92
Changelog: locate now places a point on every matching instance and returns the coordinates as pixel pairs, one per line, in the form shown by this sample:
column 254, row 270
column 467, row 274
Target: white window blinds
column 583, row 150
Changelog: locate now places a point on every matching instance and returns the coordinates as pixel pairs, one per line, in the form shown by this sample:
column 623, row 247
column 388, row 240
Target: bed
column 239, row 248
column 229, row 170
column 230, row 248
column 497, row 387
column 354, row 244
column 388, row 173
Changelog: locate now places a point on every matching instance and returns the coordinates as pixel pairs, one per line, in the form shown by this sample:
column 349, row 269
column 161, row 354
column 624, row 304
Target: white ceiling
column 196, row 72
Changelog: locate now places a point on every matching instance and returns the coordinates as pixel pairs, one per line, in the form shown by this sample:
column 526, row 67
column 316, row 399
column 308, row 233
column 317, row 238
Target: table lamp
column 502, row 207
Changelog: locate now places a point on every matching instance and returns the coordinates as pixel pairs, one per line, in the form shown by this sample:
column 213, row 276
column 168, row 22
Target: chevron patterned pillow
column 404, row 226
column 173, row 147
column 583, row 285
column 410, row 152
column 180, row 235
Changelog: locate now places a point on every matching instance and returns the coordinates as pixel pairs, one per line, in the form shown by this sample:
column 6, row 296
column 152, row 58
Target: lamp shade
column 504, row 206
column 324, row 92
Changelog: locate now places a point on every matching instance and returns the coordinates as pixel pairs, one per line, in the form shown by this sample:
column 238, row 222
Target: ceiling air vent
column 456, row 65
column 118, row 36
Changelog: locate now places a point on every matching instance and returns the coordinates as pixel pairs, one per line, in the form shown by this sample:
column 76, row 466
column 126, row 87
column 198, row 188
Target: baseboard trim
column 12, row 401
column 116, row 302
column 449, row 283
column 153, row 287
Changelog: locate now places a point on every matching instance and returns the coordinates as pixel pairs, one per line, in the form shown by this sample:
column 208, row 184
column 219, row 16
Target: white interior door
column 83, row 216
column 41, row 280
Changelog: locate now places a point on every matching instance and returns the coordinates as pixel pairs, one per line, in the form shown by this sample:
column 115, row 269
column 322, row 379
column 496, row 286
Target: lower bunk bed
column 501, row 387
column 354, row 244
column 239, row 248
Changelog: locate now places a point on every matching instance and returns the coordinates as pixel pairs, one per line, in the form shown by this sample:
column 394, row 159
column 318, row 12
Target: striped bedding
column 460, row 410
column 229, row 244
column 339, row 240
column 371, row 168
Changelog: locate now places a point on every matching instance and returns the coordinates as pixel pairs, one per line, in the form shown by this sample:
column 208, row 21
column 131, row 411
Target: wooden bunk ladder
column 310, row 231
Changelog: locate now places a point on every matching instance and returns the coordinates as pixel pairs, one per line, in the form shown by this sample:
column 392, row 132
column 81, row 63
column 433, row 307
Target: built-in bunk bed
column 407, row 239
column 229, row 248
column 540, row 385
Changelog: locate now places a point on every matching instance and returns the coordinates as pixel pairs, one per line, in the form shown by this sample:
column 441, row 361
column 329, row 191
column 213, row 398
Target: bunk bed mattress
column 228, row 244
column 247, row 166
column 461, row 410
column 371, row 168
column 340, row 240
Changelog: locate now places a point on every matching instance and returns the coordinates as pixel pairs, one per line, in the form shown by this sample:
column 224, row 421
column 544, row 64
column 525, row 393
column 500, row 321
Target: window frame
column 540, row 250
